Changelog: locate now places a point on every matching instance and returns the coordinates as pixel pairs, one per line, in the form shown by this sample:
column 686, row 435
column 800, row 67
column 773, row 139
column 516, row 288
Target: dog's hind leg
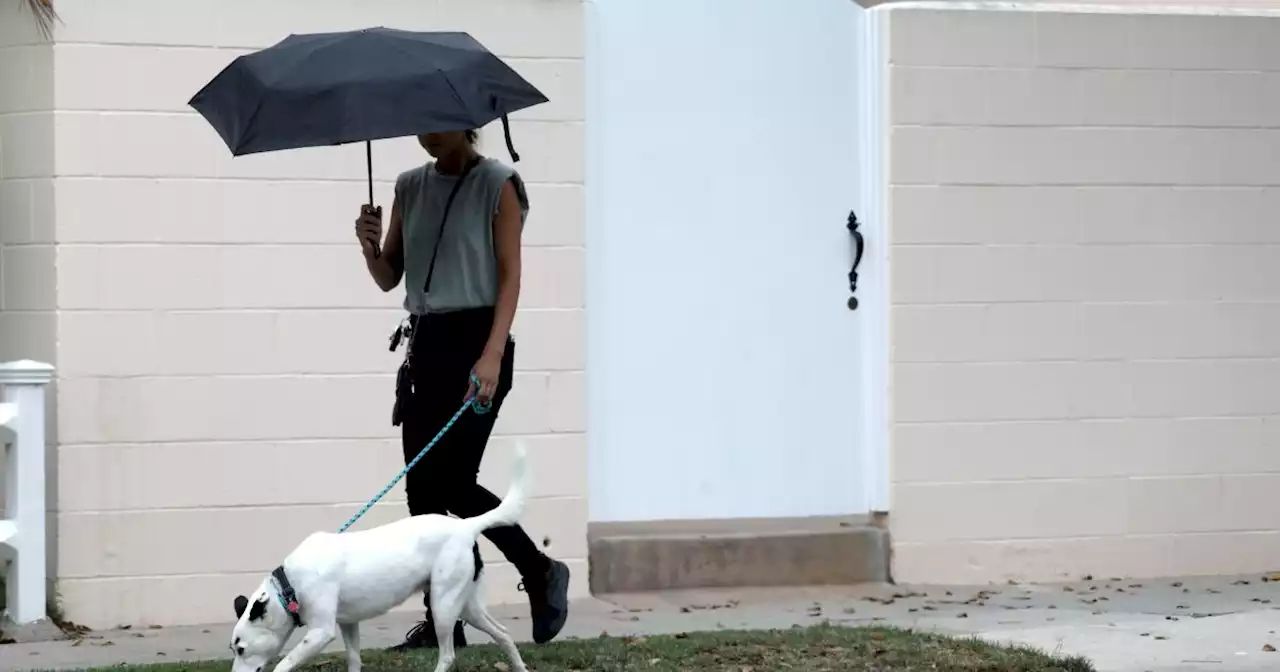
column 451, row 577
column 446, row 608
column 351, row 639
column 482, row 620
column 445, row 616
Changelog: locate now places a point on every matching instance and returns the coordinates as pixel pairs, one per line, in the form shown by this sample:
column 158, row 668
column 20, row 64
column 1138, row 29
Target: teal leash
column 473, row 402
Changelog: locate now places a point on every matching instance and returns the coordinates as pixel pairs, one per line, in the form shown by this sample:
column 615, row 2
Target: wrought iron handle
column 859, row 246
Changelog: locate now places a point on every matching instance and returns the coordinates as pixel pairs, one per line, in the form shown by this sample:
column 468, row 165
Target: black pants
column 445, row 348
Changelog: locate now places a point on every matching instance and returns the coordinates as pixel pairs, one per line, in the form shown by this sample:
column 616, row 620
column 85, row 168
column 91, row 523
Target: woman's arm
column 388, row 267
column 506, row 247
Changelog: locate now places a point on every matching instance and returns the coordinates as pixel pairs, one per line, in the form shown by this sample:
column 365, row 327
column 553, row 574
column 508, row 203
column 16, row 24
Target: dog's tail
column 511, row 509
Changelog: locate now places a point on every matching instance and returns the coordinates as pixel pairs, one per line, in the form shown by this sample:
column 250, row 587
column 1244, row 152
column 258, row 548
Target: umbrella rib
column 327, row 40
column 248, row 123
column 245, row 137
column 408, row 55
column 457, row 96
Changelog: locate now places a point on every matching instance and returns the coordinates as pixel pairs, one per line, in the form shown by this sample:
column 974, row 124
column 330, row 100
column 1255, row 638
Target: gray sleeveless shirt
column 466, row 274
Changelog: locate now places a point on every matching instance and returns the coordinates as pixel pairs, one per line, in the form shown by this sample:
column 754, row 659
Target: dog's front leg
column 351, row 638
column 312, row 643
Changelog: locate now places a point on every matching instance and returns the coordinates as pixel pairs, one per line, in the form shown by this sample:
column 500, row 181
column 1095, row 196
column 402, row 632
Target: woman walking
column 454, row 237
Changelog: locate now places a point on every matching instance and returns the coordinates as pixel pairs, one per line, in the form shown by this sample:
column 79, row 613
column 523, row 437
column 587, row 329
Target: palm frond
column 45, row 15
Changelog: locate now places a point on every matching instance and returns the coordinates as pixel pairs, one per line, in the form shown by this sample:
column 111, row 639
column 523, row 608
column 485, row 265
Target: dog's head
column 261, row 631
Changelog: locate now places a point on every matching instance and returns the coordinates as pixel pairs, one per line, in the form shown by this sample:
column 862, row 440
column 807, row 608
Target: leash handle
column 472, row 402
column 479, row 406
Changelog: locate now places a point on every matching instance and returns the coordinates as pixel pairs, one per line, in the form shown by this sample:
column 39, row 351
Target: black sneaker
column 423, row 636
column 548, row 601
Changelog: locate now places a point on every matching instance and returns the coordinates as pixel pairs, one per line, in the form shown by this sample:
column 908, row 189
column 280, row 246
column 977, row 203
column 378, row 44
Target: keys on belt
column 402, row 332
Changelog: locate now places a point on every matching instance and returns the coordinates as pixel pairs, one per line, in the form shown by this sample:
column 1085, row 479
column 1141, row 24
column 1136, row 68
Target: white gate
column 727, row 376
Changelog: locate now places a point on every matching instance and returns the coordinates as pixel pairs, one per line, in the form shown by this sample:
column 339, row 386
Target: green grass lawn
column 816, row 649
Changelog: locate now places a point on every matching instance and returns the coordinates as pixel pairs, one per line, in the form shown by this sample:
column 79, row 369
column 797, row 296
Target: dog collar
column 288, row 597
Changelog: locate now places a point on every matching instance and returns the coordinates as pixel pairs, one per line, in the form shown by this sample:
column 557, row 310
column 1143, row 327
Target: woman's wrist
column 494, row 352
column 496, row 347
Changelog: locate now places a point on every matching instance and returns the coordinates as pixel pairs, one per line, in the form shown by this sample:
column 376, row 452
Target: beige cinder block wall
column 26, row 189
column 1085, row 294
column 224, row 383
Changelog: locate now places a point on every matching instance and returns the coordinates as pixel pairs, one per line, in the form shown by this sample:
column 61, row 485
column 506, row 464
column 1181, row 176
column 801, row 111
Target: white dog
column 332, row 582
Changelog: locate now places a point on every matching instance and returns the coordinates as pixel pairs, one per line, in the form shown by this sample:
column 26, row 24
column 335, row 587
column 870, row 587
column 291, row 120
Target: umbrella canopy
column 320, row 89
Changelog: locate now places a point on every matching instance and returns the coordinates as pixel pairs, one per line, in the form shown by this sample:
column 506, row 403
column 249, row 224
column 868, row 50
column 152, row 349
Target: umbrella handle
column 368, row 160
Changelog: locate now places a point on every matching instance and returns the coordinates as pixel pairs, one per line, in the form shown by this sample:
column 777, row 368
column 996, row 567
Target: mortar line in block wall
column 1081, row 419
column 178, row 443
column 387, row 311
column 370, row 375
column 240, row 243
column 901, row 303
column 1168, row 126
column 272, row 180
column 1094, row 188
column 1048, row 480
column 251, row 48
column 235, row 573
column 992, row 363
column 1092, row 243
column 1154, row 8
column 278, row 506
column 1087, row 537
column 100, row 578
column 389, row 438
column 518, row 119
column 1009, row 184
column 1089, row 68
column 296, row 441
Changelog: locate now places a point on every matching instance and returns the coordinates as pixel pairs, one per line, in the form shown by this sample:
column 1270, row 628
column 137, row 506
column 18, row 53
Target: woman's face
column 442, row 144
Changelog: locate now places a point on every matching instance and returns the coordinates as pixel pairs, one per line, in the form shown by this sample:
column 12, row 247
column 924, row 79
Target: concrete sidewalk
column 1122, row 625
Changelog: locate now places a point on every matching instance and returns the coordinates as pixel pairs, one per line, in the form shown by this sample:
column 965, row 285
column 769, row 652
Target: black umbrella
column 321, row 89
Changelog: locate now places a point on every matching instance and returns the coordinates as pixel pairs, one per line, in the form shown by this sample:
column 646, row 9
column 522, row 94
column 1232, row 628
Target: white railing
column 22, row 444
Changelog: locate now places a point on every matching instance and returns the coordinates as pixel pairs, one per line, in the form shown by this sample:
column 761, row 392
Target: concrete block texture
column 1084, row 292
column 226, row 369
column 27, row 254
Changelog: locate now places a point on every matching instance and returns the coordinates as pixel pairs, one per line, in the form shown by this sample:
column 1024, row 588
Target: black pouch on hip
column 404, row 391
column 404, row 381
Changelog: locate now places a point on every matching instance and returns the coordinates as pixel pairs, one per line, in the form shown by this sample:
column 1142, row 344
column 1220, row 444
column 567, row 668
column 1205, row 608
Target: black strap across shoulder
column 444, row 217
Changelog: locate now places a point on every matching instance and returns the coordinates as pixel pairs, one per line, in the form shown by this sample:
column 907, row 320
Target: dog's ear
column 259, row 609
column 242, row 603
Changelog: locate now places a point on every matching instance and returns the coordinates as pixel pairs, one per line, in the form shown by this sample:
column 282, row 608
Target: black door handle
column 859, row 245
